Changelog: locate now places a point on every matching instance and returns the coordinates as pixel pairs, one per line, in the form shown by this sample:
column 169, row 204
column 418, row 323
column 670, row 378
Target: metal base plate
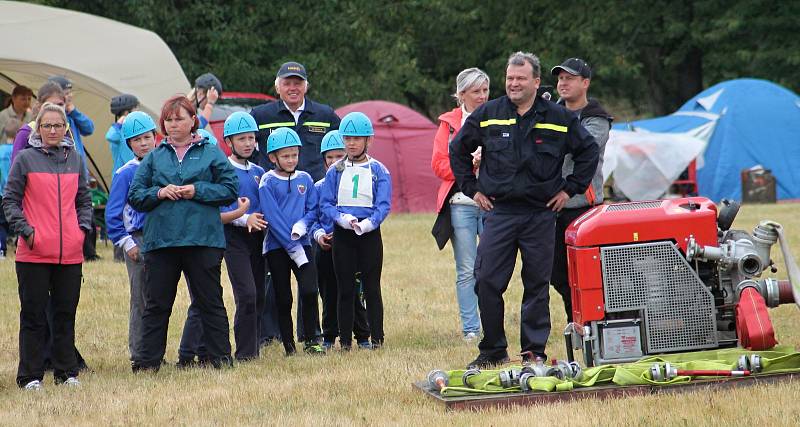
column 602, row 392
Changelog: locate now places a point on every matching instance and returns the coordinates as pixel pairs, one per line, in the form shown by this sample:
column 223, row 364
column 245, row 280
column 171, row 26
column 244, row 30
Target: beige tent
column 103, row 58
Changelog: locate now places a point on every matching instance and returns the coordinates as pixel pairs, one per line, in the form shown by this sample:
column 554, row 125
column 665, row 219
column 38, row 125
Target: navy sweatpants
column 530, row 231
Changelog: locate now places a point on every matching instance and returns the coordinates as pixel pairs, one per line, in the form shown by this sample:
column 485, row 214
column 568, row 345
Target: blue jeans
column 467, row 225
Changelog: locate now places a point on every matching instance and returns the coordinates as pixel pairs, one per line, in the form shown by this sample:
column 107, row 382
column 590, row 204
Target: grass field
column 358, row 388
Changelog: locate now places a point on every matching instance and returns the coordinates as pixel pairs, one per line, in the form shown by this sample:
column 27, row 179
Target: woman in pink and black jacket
column 459, row 216
column 48, row 204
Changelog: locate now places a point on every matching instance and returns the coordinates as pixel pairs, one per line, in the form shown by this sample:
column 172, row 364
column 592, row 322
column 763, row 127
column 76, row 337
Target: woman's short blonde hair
column 49, row 106
column 467, row 79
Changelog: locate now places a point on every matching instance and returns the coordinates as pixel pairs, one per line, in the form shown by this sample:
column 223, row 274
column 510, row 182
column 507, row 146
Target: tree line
column 649, row 56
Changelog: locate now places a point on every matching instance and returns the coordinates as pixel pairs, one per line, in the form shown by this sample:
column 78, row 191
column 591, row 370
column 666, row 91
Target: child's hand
column 255, row 221
column 325, row 241
column 243, row 205
column 133, row 253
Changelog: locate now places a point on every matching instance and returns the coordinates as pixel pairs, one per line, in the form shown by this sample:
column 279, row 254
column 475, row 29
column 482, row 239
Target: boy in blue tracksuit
column 125, row 223
column 357, row 197
column 332, row 150
column 288, row 201
column 244, row 225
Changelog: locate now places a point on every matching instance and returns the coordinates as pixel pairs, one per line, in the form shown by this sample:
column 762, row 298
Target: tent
column 404, row 144
column 103, row 58
column 747, row 122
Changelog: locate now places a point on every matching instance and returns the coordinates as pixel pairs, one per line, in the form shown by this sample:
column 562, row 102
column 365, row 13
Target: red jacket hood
column 452, row 117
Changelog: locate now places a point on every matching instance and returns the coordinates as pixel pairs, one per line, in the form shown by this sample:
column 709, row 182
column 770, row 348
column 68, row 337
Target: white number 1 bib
column 355, row 187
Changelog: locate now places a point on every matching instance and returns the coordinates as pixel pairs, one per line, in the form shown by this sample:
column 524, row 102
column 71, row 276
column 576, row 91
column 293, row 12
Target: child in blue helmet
column 125, row 223
column 357, row 198
column 244, row 234
column 288, row 200
column 332, row 150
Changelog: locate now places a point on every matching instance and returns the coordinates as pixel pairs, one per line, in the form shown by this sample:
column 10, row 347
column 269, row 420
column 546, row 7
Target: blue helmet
column 137, row 123
column 356, row 124
column 331, row 141
column 282, row 138
column 239, row 122
column 211, row 138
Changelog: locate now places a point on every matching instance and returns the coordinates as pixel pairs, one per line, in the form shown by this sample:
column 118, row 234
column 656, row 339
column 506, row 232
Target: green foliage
column 653, row 55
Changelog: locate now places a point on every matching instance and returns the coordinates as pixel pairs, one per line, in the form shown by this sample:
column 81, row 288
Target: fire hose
column 668, row 372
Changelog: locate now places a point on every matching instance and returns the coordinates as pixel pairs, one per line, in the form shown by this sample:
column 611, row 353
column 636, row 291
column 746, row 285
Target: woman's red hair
column 172, row 106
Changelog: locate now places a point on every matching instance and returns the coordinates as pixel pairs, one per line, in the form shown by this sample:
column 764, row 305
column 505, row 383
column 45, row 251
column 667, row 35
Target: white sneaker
column 72, row 382
column 34, row 385
column 470, row 336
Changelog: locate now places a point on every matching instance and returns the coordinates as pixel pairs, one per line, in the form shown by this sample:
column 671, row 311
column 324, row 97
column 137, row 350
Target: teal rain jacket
column 184, row 222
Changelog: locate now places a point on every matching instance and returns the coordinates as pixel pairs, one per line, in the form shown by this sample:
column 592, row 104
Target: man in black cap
column 311, row 120
column 574, row 76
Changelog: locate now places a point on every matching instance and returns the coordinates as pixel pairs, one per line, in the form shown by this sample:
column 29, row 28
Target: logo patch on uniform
column 505, row 135
column 301, row 188
column 316, row 129
column 538, row 140
column 258, row 179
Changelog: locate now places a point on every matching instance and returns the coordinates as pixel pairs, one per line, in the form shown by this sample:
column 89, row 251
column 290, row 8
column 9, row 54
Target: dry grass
column 360, row 388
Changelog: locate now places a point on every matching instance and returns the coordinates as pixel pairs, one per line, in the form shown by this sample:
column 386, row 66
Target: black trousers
column 246, row 273
column 504, row 233
column 202, row 266
column 281, row 266
column 352, row 254
column 38, row 283
column 328, row 290
column 559, row 278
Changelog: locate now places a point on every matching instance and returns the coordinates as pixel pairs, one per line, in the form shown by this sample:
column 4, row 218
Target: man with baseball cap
column 311, row 120
column 574, row 76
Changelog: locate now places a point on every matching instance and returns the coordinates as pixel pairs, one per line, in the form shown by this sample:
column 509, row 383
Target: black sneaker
column 484, row 361
column 186, row 363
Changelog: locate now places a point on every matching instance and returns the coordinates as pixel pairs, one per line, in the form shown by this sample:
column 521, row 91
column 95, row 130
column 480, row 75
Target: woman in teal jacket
column 181, row 185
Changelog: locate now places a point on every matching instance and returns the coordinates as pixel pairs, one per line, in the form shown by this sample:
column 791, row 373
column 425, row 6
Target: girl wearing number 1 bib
column 357, row 197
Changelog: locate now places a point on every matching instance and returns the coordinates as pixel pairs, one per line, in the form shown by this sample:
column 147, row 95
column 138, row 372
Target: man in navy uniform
column 524, row 139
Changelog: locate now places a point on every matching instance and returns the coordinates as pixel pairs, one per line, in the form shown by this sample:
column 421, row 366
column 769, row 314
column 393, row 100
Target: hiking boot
column 311, row 347
column 485, row 361
column 34, row 385
column 365, row 345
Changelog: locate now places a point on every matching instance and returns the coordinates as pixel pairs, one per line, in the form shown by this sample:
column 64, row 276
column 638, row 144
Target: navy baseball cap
column 574, row 66
column 292, row 69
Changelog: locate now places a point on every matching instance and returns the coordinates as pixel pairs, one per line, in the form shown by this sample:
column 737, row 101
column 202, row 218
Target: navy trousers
column 506, row 231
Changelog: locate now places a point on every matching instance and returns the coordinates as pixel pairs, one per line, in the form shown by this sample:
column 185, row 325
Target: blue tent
column 757, row 123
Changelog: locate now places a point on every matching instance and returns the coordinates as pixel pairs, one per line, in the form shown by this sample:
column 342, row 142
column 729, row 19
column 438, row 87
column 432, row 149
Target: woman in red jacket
column 48, row 204
column 472, row 90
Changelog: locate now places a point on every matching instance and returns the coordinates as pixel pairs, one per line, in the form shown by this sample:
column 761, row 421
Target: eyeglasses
column 55, row 126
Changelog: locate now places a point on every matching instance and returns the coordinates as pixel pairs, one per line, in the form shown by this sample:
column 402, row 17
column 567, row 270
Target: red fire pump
column 671, row 276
